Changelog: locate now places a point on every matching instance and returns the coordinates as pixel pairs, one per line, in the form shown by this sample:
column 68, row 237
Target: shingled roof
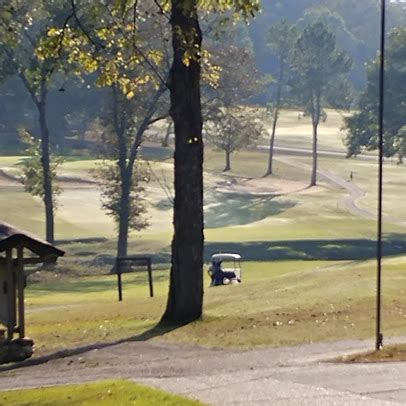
column 11, row 237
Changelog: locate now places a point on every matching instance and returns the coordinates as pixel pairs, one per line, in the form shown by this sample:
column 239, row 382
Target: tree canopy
column 362, row 127
column 317, row 63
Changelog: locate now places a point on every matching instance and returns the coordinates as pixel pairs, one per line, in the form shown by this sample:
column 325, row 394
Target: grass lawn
column 390, row 353
column 278, row 303
column 297, row 133
column 106, row 393
column 308, row 270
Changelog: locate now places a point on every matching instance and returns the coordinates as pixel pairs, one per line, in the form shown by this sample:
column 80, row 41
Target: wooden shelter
column 18, row 248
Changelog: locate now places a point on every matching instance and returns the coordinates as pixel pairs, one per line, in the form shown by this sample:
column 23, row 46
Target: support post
column 20, row 288
column 151, row 287
column 10, row 295
column 119, row 284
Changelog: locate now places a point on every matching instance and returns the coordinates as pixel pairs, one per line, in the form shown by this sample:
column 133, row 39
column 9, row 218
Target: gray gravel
column 265, row 376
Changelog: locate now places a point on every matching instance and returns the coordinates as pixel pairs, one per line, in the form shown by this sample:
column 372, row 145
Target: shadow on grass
column 235, row 209
column 231, row 209
column 322, row 249
column 156, row 331
column 93, row 285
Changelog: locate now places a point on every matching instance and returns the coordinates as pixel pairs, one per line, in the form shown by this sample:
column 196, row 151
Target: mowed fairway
column 309, row 272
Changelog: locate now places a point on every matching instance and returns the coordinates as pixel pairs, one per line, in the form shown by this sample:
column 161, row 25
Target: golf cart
column 225, row 269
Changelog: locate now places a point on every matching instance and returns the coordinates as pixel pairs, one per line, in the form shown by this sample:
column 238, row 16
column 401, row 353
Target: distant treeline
column 73, row 105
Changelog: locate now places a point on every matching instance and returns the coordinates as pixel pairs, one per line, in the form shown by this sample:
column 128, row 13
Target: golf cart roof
column 225, row 257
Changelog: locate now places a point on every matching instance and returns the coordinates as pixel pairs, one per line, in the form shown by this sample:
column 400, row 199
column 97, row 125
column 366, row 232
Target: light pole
column 379, row 335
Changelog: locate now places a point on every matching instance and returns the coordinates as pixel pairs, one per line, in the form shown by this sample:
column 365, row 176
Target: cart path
column 278, row 376
column 348, row 202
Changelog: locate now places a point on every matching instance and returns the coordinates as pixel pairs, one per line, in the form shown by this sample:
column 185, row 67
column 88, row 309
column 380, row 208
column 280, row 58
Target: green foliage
column 247, row 8
column 362, row 128
column 232, row 86
column 281, row 40
column 317, row 65
column 23, row 25
column 231, row 129
column 33, row 172
column 120, row 44
column 110, row 180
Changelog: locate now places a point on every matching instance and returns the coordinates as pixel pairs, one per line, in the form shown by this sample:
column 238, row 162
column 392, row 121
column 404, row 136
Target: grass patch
column 278, row 303
column 390, row 353
column 106, row 393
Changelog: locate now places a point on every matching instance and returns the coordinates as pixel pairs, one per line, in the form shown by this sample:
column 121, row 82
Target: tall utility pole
column 379, row 335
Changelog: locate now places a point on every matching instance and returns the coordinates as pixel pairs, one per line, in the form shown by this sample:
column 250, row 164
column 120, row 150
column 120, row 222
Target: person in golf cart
column 219, row 276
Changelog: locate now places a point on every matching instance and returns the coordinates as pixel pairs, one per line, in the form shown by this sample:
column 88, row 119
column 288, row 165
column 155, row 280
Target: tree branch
column 136, row 48
column 82, row 28
column 144, row 125
column 161, row 10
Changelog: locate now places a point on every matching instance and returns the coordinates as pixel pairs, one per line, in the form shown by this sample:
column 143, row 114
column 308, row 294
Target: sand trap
column 261, row 186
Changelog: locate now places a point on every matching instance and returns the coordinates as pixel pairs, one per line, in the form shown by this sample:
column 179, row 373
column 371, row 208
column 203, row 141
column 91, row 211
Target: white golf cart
column 225, row 269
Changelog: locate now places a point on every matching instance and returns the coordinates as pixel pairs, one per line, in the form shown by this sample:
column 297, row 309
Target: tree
column 120, row 46
column 229, row 126
column 282, row 37
column 126, row 122
column 231, row 129
column 33, row 169
column 230, row 78
column 317, row 63
column 21, row 47
column 362, row 127
column 112, row 195
column 185, row 298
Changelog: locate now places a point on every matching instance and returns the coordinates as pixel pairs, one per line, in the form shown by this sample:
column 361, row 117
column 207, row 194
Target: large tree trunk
column 124, row 216
column 185, row 298
column 272, row 142
column 125, row 174
column 47, row 178
column 227, row 167
column 315, row 124
column 165, row 141
column 275, row 118
column 313, row 178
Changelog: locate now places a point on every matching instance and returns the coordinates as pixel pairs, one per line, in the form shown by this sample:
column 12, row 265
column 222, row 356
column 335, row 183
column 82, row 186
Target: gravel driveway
column 267, row 376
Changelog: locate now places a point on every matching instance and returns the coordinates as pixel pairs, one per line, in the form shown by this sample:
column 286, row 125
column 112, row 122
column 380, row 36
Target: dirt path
column 348, row 202
column 277, row 376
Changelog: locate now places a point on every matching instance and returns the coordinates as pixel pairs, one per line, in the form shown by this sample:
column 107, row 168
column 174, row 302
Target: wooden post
column 20, row 288
column 10, row 295
column 119, row 284
column 151, row 287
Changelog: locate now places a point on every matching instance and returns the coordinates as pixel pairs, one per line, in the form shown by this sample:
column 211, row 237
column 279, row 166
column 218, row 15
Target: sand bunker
column 261, row 186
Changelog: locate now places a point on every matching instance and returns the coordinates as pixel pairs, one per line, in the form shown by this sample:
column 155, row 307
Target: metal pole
column 379, row 335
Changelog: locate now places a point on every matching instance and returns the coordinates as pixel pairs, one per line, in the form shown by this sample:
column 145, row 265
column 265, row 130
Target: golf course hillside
column 308, row 269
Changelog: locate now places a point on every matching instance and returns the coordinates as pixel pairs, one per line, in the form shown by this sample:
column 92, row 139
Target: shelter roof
column 11, row 237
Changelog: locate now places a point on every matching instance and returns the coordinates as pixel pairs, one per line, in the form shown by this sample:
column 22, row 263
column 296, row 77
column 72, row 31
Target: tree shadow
column 231, row 209
column 315, row 249
column 138, row 278
column 157, row 331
